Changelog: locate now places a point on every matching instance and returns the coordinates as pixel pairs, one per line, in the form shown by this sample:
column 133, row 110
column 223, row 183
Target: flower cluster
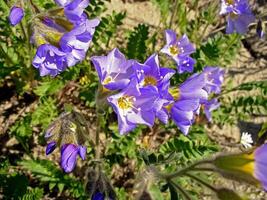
column 145, row 93
column 239, row 15
column 66, row 133
column 62, row 36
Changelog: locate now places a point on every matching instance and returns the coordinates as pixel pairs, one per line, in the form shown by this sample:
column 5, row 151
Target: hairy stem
column 184, row 170
column 201, row 182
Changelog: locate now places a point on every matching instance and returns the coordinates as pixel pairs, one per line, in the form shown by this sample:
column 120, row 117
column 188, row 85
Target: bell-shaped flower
column 180, row 50
column 151, row 74
column 69, row 153
column 184, row 102
column 114, row 70
column 239, row 15
column 65, row 133
column 214, row 79
column 134, row 106
column 66, row 37
column 209, row 106
column 247, row 166
column 16, row 14
column 49, row 60
column 74, row 10
column 76, row 42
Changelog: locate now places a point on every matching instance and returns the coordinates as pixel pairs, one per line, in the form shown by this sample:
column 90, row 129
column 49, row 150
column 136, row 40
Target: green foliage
column 47, row 172
column 122, row 147
column 45, row 113
column 33, row 194
column 95, row 8
column 164, row 7
column 105, row 34
column 187, row 149
column 219, row 50
column 48, row 87
column 136, row 45
column 13, row 185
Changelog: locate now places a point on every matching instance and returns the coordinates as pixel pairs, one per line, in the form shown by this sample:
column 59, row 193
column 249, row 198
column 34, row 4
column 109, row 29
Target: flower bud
column 16, row 14
column 69, row 153
column 99, row 187
column 67, row 132
column 249, row 166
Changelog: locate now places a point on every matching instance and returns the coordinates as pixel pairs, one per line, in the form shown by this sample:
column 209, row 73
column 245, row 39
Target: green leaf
column 136, row 45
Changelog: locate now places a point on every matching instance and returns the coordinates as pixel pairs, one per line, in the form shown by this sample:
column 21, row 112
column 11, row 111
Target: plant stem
column 178, row 187
column 184, row 170
column 173, row 13
column 201, row 181
column 35, row 8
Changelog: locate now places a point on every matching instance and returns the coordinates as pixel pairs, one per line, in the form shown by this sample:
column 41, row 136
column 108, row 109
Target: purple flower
column 209, row 106
column 98, row 196
column 187, row 101
column 76, row 42
column 50, row 147
column 74, row 11
column 49, row 60
column 16, row 14
column 260, row 156
column 184, row 102
column 150, row 73
column 59, row 48
column 182, row 113
column 134, row 106
column 239, row 15
column 214, row 79
column 179, row 50
column 114, row 71
column 69, row 153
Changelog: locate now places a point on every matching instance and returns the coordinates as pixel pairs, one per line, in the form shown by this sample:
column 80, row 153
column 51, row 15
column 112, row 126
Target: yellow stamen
column 126, row 102
column 175, row 92
column 150, row 80
column 169, row 107
column 107, row 80
column 230, row 2
column 174, row 50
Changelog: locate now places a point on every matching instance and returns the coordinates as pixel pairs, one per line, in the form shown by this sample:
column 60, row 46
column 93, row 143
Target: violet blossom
column 214, row 79
column 179, row 50
column 62, row 41
column 239, row 15
column 209, row 106
column 114, row 70
column 134, row 106
column 184, row 102
column 16, row 14
column 151, row 74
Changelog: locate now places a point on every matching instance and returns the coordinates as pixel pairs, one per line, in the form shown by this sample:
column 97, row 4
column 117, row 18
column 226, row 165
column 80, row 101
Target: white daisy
column 246, row 140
